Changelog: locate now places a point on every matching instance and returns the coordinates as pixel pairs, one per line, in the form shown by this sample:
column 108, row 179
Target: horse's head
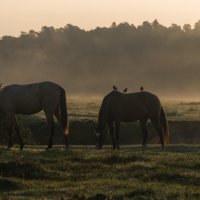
column 98, row 133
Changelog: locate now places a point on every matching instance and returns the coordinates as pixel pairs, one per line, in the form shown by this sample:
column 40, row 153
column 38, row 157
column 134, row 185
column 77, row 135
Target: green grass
column 84, row 173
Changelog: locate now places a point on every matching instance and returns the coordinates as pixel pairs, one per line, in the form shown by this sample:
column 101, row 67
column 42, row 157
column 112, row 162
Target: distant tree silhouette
column 123, row 52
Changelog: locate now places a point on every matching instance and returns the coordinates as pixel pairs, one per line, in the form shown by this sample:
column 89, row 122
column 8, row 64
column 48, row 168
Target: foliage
column 90, row 61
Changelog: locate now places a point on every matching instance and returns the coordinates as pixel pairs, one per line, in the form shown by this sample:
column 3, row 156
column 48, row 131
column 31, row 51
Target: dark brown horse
column 30, row 99
column 129, row 107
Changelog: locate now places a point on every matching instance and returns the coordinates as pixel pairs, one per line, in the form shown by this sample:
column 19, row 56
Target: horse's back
column 142, row 98
column 32, row 90
column 136, row 99
column 31, row 98
column 132, row 106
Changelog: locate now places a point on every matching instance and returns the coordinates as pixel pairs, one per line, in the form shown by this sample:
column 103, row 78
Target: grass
column 84, row 173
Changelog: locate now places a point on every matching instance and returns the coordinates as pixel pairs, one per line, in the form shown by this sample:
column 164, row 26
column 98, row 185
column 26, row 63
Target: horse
column 30, row 99
column 120, row 107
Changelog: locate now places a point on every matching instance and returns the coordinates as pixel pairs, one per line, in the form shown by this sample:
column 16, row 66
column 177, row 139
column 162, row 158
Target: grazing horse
column 129, row 107
column 30, row 99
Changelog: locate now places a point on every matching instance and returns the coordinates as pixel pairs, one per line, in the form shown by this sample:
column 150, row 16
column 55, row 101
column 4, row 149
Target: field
column 84, row 173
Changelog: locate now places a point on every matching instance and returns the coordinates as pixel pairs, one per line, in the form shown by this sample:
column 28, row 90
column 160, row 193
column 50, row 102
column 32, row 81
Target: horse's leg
column 17, row 130
column 158, row 127
column 10, row 131
column 111, row 130
column 58, row 117
column 144, row 132
column 50, row 121
column 10, row 121
column 117, row 125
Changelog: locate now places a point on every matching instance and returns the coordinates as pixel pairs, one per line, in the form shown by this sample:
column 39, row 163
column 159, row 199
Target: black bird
column 114, row 88
column 125, row 90
column 141, row 88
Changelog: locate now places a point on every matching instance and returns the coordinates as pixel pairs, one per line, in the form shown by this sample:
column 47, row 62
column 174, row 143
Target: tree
column 197, row 26
column 187, row 28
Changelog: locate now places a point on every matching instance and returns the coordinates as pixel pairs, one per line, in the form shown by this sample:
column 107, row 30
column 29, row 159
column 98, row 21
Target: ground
column 85, row 173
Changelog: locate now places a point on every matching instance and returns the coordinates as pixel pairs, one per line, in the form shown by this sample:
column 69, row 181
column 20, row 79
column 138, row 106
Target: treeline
column 162, row 59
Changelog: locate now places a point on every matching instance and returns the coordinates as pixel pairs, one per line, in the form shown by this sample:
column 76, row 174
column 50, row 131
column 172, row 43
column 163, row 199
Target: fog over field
column 165, row 60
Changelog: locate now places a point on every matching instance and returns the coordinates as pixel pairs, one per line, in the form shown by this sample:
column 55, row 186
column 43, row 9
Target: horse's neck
column 1, row 96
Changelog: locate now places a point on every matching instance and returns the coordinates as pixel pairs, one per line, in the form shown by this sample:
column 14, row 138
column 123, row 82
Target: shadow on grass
column 183, row 148
column 191, row 166
column 9, row 185
column 137, row 194
column 175, row 178
column 26, row 170
column 116, row 159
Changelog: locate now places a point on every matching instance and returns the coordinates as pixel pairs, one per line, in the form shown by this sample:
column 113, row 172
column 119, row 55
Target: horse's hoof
column 48, row 148
column 10, row 146
column 21, row 154
column 21, row 147
column 66, row 148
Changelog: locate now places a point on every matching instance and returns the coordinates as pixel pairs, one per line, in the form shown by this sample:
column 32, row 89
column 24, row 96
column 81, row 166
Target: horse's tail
column 164, row 125
column 63, row 112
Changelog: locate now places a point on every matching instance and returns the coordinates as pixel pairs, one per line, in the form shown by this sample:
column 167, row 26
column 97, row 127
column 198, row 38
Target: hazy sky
column 23, row 15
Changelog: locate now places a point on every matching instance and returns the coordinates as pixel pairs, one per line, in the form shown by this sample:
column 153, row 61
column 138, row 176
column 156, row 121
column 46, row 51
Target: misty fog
column 164, row 60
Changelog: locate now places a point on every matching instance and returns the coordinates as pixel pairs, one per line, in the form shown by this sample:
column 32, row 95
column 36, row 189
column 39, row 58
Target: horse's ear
column 125, row 90
column 114, row 87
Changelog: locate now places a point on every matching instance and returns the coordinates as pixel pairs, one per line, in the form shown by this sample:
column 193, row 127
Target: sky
column 24, row 15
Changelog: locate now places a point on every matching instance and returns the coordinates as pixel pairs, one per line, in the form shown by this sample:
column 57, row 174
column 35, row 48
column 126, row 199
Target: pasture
column 84, row 173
